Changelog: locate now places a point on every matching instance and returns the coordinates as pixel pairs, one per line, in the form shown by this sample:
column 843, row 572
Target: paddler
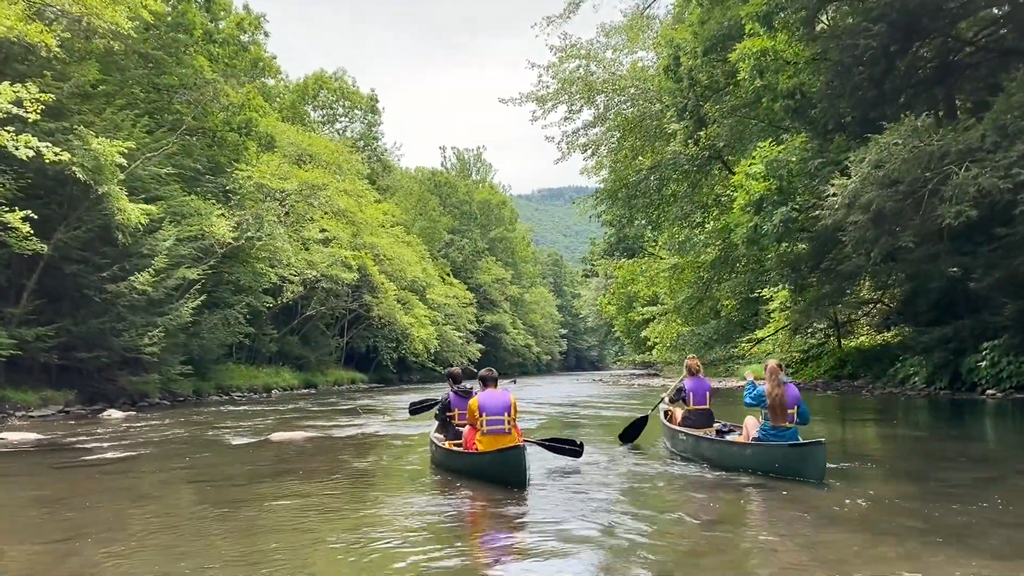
column 492, row 416
column 694, row 392
column 782, row 408
column 453, row 411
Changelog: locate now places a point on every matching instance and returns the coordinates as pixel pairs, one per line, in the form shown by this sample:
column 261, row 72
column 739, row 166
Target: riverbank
column 231, row 382
column 657, row 379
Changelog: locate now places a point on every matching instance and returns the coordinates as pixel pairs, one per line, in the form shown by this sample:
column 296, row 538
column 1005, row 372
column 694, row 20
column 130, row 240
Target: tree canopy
column 837, row 183
column 172, row 202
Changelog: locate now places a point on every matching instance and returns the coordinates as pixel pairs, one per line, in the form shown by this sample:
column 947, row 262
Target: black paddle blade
column 562, row 446
column 631, row 433
column 424, row 405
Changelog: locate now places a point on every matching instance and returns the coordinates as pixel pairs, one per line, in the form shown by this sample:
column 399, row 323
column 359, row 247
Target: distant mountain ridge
column 558, row 219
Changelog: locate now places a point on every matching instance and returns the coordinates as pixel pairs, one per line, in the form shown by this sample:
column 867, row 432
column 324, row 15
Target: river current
column 915, row 486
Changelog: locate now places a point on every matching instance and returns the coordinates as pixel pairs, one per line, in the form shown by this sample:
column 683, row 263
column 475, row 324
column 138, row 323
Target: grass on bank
column 32, row 398
column 222, row 380
column 262, row 379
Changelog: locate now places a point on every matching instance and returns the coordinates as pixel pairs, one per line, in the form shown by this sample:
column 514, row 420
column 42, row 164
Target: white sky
column 439, row 67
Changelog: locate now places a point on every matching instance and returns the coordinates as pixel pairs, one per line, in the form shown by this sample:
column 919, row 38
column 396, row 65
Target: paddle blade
column 424, row 405
column 562, row 446
column 631, row 433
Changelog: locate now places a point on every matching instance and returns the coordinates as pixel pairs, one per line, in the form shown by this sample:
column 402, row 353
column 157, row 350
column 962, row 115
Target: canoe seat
column 701, row 432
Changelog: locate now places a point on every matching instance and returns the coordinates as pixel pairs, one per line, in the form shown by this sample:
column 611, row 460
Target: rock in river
column 286, row 436
column 20, row 437
column 115, row 414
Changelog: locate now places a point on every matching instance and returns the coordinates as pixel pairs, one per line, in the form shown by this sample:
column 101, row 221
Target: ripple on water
column 364, row 499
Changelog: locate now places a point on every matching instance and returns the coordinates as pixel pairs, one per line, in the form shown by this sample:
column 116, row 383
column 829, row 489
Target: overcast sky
column 439, row 67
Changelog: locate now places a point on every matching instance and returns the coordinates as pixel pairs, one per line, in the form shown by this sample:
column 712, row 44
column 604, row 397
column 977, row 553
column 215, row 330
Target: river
column 915, row 486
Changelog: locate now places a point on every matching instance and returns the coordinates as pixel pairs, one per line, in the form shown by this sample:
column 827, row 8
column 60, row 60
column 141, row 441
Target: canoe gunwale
column 726, row 456
column 441, row 445
column 505, row 466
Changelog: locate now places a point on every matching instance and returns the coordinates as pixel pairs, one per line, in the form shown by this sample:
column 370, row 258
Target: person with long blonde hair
column 782, row 408
column 693, row 391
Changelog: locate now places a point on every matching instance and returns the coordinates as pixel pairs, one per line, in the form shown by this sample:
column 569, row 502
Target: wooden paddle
column 427, row 404
column 562, row 446
column 631, row 433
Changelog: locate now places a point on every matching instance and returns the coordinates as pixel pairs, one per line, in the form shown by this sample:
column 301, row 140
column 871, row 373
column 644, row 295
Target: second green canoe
column 804, row 460
column 505, row 466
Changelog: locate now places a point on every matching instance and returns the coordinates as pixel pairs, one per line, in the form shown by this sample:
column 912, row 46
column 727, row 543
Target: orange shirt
column 486, row 442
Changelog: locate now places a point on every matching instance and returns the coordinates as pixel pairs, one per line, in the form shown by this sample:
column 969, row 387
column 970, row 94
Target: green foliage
column 179, row 217
column 757, row 200
column 228, row 378
column 558, row 219
column 998, row 365
column 30, row 398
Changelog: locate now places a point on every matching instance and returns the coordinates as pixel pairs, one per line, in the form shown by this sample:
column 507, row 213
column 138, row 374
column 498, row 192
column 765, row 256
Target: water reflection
column 492, row 519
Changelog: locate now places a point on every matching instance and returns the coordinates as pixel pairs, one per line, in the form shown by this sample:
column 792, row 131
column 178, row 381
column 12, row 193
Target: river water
column 929, row 487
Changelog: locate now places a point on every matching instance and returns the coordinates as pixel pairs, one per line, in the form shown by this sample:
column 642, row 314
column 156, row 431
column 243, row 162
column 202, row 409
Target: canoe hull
column 504, row 467
column 805, row 460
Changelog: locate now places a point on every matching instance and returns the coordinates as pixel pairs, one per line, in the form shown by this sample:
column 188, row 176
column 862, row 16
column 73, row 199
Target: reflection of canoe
column 803, row 460
column 505, row 466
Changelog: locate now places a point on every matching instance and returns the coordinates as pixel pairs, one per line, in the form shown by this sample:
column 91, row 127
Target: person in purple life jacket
column 454, row 408
column 693, row 391
column 782, row 408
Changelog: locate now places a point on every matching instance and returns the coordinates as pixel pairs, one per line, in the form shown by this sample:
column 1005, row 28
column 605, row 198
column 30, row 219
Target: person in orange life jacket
column 693, row 391
column 492, row 416
column 453, row 410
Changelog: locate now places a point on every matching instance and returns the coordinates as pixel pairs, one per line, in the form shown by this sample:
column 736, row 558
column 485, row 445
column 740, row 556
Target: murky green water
column 915, row 487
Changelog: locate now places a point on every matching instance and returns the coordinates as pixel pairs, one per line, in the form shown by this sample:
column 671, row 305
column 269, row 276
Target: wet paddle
column 427, row 404
column 631, row 433
column 562, row 446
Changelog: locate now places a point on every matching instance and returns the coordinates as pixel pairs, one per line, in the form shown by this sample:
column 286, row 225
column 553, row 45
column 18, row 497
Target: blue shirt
column 754, row 397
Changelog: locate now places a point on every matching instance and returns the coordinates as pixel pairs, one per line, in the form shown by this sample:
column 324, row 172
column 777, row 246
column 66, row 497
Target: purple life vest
column 460, row 408
column 792, row 402
column 698, row 392
column 495, row 407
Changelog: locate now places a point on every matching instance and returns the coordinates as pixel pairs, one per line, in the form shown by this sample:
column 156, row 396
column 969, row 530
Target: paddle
column 562, row 446
column 427, row 404
column 631, row 433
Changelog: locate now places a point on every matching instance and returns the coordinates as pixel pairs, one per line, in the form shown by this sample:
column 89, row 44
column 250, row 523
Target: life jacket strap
column 707, row 402
column 506, row 426
column 788, row 424
column 459, row 417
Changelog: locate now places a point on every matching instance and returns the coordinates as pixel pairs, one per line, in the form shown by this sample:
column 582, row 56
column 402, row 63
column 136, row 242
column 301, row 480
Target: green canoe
column 804, row 460
column 505, row 466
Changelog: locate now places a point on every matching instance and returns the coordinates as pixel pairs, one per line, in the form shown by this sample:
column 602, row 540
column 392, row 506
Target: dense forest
column 835, row 183
column 178, row 216
column 558, row 219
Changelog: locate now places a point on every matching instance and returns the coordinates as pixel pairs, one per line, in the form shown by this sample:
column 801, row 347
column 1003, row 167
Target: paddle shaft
column 663, row 396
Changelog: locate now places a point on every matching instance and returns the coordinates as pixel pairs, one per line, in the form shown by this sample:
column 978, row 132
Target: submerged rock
column 289, row 436
column 115, row 414
column 20, row 437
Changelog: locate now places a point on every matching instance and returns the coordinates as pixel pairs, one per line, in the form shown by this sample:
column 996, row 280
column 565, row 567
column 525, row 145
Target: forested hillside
column 176, row 214
column 559, row 219
column 836, row 183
